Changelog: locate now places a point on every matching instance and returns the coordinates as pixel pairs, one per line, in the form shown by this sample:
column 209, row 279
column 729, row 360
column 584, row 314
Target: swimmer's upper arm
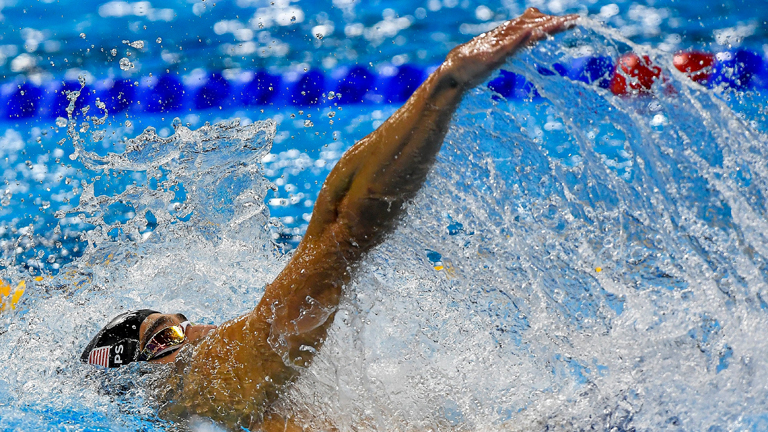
column 238, row 370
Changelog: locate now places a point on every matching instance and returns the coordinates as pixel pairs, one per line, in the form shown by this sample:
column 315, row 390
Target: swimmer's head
column 142, row 335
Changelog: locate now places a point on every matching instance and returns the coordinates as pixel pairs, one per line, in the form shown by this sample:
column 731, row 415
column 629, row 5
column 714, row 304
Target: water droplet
column 113, row 52
column 125, row 64
column 308, row 123
column 82, row 35
column 319, row 36
column 159, row 40
column 331, row 94
column 128, row 123
column 61, row 122
column 332, row 114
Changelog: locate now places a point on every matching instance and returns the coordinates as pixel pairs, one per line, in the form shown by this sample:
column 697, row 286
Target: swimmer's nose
column 197, row 332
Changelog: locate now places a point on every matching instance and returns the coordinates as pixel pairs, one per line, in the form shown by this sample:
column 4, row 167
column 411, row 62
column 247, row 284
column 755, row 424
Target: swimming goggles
column 164, row 342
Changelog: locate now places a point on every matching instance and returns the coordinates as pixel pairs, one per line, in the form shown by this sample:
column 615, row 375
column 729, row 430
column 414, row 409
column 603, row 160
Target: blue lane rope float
column 119, row 96
column 597, row 69
column 261, row 90
column 513, row 86
column 23, row 103
column 166, row 95
column 402, row 85
column 213, row 93
column 356, row 84
column 309, row 89
column 738, row 69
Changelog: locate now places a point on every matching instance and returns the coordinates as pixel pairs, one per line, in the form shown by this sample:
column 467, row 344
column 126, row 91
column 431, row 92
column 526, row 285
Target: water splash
column 582, row 262
column 180, row 224
column 604, row 269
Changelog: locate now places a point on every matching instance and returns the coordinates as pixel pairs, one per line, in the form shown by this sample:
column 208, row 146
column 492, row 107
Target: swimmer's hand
column 472, row 62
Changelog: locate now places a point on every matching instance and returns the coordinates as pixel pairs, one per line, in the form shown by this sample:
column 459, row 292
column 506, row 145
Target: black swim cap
column 117, row 344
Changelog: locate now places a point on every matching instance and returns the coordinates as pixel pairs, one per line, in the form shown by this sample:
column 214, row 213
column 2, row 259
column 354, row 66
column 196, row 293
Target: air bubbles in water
column 125, row 64
column 61, row 122
column 136, row 44
column 308, row 123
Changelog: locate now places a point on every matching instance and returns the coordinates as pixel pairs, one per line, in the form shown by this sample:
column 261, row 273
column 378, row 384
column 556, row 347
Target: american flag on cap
column 100, row 356
column 118, row 342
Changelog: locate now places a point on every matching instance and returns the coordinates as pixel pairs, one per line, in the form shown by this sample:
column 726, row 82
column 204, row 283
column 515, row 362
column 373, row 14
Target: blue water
column 604, row 256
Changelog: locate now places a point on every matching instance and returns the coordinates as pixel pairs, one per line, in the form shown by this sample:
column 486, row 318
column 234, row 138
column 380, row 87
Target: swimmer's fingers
column 552, row 25
column 532, row 26
column 472, row 62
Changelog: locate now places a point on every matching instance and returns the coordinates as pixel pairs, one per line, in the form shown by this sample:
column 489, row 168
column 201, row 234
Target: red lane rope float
column 634, row 75
column 696, row 65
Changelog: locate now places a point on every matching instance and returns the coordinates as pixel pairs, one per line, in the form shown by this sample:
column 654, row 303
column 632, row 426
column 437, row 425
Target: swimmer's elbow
column 366, row 220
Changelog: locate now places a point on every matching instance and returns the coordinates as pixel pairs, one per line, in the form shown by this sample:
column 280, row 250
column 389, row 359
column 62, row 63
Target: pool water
column 577, row 260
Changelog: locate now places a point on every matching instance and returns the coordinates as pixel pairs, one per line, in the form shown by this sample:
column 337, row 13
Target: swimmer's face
column 156, row 322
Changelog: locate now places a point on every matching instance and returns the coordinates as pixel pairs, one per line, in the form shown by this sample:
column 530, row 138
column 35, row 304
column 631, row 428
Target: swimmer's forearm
column 390, row 165
column 364, row 194
column 369, row 186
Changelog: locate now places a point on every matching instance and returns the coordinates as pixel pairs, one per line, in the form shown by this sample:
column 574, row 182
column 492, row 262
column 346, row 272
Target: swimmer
column 235, row 373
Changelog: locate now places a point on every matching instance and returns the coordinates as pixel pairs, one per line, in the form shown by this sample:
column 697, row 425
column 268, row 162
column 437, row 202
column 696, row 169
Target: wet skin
column 236, row 373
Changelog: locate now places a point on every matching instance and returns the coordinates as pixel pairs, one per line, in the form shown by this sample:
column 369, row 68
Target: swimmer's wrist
column 447, row 82
column 464, row 71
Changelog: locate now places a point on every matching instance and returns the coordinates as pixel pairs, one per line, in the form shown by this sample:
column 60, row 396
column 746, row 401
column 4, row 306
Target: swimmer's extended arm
column 237, row 372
